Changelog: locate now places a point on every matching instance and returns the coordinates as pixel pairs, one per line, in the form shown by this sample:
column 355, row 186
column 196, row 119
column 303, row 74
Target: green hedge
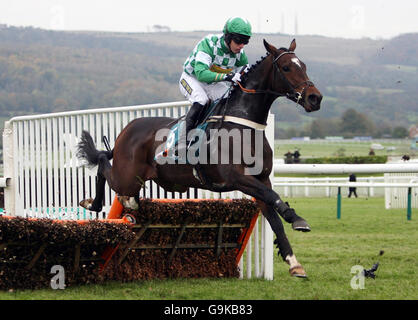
column 351, row 160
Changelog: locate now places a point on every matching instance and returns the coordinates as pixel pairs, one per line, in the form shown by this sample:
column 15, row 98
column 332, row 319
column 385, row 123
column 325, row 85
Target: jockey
column 212, row 67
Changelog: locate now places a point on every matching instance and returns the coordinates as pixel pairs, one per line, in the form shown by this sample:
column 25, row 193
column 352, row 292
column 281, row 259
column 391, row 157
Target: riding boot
column 192, row 118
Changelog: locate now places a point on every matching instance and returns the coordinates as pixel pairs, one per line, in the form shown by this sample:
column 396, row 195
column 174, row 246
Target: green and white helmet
column 238, row 25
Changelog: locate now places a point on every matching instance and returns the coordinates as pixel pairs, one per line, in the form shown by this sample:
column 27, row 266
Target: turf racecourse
column 328, row 253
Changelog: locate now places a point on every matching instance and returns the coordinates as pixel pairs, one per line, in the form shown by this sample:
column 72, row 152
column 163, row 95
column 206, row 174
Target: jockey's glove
column 233, row 77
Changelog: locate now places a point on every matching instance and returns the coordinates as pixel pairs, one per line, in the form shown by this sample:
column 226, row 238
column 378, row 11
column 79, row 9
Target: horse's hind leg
column 96, row 204
column 103, row 172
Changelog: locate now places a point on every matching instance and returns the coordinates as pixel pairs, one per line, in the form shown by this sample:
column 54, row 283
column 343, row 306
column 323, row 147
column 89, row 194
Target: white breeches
column 201, row 92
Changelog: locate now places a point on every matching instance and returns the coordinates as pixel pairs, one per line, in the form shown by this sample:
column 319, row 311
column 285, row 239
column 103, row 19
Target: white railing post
column 9, row 169
column 268, row 232
column 327, row 189
column 256, row 251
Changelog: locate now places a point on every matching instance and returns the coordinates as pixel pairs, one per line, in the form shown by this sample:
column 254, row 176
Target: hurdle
column 203, row 238
column 116, row 212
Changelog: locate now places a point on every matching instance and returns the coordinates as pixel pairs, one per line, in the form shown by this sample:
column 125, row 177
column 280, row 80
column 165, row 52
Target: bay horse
column 279, row 73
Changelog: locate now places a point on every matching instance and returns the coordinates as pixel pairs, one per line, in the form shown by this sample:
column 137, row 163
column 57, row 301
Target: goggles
column 240, row 39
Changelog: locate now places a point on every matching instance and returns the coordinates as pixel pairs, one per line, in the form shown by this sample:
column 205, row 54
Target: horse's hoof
column 86, row 203
column 301, row 225
column 298, row 272
column 129, row 218
column 128, row 202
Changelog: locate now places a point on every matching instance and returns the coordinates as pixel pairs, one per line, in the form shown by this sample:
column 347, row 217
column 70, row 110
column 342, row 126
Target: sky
column 334, row 18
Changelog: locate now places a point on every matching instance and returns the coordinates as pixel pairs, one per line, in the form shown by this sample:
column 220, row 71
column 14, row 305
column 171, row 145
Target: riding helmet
column 238, row 29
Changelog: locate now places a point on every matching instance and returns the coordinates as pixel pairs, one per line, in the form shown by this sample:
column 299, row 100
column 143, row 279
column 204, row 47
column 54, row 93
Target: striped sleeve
column 203, row 61
column 203, row 73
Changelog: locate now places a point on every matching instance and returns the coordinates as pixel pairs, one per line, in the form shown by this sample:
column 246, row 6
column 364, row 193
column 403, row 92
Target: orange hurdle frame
column 116, row 211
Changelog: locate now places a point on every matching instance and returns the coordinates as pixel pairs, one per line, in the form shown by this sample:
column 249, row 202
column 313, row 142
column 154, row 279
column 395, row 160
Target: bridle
column 293, row 95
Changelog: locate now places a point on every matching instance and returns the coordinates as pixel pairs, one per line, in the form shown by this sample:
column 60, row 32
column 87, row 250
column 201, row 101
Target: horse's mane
column 235, row 88
column 249, row 71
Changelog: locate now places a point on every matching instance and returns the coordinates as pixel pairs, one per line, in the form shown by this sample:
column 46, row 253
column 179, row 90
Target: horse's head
column 290, row 78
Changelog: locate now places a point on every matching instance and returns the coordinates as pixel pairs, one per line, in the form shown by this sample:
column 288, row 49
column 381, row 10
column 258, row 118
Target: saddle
column 169, row 151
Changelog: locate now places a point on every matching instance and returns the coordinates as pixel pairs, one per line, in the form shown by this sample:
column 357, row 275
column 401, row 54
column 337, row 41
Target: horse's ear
column 292, row 45
column 270, row 48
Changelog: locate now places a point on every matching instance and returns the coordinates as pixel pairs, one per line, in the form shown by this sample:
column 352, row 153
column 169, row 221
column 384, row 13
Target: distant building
column 334, row 138
column 413, row 132
column 301, row 138
column 414, row 143
column 377, row 146
column 363, row 138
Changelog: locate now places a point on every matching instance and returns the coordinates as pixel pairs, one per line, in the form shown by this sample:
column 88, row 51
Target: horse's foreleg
column 129, row 202
column 283, row 244
column 270, row 203
column 288, row 214
column 263, row 191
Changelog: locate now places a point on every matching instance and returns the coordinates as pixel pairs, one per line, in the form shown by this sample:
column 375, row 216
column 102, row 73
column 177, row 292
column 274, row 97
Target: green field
column 320, row 148
column 328, row 253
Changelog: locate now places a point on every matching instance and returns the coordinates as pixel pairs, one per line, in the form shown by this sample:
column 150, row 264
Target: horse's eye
column 286, row 69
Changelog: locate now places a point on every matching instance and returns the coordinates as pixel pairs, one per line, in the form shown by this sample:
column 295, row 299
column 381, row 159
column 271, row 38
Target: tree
column 399, row 132
column 355, row 123
column 319, row 128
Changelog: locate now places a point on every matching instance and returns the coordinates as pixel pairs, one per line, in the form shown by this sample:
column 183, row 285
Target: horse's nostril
column 314, row 99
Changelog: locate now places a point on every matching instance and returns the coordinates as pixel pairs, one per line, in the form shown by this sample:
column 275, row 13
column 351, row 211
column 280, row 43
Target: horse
column 280, row 73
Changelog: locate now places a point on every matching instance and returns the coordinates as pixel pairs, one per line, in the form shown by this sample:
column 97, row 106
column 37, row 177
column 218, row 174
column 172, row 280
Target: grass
column 319, row 148
column 327, row 253
column 314, row 149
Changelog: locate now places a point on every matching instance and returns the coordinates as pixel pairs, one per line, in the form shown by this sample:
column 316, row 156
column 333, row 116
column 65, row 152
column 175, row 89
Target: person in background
column 352, row 190
column 288, row 157
column 296, row 156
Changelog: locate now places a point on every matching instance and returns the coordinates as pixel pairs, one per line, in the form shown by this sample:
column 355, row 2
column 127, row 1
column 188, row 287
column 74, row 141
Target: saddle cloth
column 170, row 148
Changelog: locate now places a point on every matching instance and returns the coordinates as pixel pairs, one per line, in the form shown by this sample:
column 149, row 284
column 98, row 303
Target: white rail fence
column 395, row 172
column 316, row 187
column 398, row 197
column 43, row 177
column 291, row 187
column 39, row 155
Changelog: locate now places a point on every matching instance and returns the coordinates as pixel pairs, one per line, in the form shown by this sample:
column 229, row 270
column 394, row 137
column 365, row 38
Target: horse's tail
column 86, row 149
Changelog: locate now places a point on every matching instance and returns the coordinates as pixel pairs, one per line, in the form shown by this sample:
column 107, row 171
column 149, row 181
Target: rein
column 294, row 95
